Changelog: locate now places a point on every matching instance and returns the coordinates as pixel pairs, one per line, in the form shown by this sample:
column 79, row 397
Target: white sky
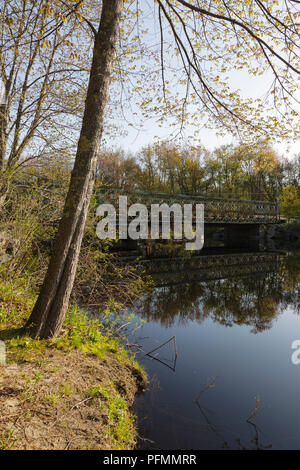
column 134, row 140
column 251, row 87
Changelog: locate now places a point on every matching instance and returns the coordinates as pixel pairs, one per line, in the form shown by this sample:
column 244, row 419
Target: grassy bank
column 70, row 392
column 74, row 391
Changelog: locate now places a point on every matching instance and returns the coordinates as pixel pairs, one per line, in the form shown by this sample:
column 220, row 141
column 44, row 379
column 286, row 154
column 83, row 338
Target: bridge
column 217, row 210
column 174, row 271
column 244, row 222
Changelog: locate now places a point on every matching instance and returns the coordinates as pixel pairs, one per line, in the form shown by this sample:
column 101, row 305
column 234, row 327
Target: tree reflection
column 254, row 300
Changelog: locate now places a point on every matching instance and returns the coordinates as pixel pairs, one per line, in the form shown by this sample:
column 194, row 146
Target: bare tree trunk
column 49, row 311
column 3, row 173
column 4, row 187
column 2, row 135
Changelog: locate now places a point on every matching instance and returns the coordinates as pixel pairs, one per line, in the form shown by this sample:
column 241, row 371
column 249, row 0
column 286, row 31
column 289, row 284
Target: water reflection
column 235, row 317
column 234, row 298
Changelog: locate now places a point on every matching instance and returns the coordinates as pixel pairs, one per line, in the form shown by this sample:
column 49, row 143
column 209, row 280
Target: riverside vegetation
column 73, row 391
column 68, row 71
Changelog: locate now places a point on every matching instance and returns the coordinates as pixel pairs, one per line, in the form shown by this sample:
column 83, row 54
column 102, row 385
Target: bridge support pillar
column 244, row 236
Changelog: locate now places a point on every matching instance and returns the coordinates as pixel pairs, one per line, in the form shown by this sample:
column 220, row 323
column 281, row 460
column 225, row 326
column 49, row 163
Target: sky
column 132, row 140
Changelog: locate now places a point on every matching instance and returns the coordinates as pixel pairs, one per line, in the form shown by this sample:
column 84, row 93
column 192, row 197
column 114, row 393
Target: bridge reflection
column 232, row 289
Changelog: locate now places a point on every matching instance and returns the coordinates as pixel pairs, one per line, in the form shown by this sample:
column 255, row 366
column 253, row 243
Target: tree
column 118, row 170
column 261, row 168
column 43, row 76
column 234, row 34
column 290, row 201
column 291, row 171
column 49, row 311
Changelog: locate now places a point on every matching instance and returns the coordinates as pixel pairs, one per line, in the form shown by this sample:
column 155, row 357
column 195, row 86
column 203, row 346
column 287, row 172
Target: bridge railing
column 216, row 209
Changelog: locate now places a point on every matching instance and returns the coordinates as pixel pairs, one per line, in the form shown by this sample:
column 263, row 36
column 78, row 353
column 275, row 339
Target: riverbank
column 70, row 392
column 284, row 236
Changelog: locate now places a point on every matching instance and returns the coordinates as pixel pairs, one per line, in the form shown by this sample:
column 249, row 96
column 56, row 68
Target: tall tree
column 44, row 80
column 255, row 35
column 49, row 311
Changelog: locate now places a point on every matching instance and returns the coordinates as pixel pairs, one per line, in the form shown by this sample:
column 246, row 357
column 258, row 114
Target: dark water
column 233, row 384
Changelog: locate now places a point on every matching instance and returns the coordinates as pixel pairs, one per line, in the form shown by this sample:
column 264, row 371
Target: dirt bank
column 73, row 392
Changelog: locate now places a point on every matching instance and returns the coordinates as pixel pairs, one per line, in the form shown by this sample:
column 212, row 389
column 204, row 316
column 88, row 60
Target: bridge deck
column 216, row 210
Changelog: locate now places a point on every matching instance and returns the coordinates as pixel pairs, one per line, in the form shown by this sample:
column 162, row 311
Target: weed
column 7, row 440
column 51, row 399
column 65, row 389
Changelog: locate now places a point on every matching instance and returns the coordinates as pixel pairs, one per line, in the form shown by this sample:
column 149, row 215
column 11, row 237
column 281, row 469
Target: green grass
column 80, row 331
column 51, row 399
column 91, row 336
column 65, row 389
column 16, row 303
column 121, row 421
column 7, row 440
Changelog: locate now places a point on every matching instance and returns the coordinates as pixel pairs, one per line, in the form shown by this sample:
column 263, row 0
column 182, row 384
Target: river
column 232, row 383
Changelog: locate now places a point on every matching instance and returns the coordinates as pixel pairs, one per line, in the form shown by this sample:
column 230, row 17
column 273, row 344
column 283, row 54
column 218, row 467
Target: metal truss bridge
column 217, row 210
